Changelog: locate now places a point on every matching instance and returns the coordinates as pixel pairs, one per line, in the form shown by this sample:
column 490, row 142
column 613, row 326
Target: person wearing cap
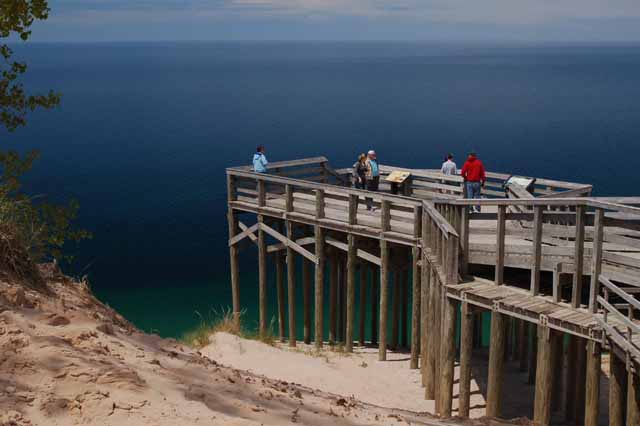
column 260, row 160
column 474, row 176
column 372, row 175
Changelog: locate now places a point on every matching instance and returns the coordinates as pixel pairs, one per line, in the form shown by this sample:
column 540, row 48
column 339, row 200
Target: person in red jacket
column 474, row 176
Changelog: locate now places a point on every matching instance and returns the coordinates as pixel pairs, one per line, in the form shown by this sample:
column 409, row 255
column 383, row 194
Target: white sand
column 388, row 384
column 60, row 365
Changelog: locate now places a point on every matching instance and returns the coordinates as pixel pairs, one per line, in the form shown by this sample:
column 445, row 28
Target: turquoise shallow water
column 145, row 131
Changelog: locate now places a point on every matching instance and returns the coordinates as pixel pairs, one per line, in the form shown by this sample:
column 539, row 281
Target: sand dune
column 67, row 359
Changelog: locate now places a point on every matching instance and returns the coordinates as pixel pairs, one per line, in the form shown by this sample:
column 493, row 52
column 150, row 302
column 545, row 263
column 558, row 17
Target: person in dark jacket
column 372, row 176
column 360, row 172
column 474, row 177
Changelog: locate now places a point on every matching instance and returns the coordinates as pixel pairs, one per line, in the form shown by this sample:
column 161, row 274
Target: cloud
column 351, row 19
column 487, row 11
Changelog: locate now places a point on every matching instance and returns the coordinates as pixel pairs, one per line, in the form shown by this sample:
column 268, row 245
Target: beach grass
column 223, row 321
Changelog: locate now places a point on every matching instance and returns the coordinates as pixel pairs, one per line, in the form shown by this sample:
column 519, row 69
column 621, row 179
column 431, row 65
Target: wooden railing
column 588, row 237
column 563, row 235
column 336, row 207
column 623, row 328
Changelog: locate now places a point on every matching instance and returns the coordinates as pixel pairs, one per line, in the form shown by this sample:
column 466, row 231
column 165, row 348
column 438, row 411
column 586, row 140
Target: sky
column 435, row 20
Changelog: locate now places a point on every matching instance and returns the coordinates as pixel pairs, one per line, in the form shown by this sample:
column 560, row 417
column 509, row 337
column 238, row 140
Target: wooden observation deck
column 564, row 275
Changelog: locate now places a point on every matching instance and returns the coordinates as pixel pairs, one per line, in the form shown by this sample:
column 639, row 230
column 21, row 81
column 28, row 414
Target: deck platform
column 565, row 264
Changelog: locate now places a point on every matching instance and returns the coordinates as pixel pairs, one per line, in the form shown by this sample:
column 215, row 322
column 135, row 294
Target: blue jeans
column 474, row 190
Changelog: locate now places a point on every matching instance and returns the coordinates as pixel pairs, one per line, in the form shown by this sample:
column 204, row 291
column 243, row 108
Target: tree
column 16, row 18
column 28, row 227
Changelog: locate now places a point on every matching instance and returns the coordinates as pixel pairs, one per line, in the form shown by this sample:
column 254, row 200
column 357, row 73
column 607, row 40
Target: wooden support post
column 395, row 310
column 262, row 279
column 342, row 296
column 570, row 380
column 533, row 354
column 351, row 291
column 523, row 343
column 426, row 327
column 557, row 363
column 319, row 286
column 508, row 341
column 291, row 286
column 544, row 376
column 496, row 365
column 580, row 379
column 415, row 308
column 466, row 351
column 234, row 262
column 435, row 331
column 280, row 262
column 375, row 294
column 306, row 302
column 537, row 250
column 592, row 386
column 500, row 234
column 404, row 309
column 596, row 259
column 384, row 296
column 633, row 399
column 333, row 297
column 617, row 391
column 447, row 356
column 363, row 302
column 578, row 258
column 431, row 333
column 477, row 330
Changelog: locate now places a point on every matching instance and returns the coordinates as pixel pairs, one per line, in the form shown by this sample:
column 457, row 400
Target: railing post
column 262, row 193
column 319, row 203
column 452, row 259
column 596, row 259
column 499, row 276
column 385, row 215
column 537, row 250
column 464, row 239
column 232, row 193
column 353, row 209
column 578, row 259
column 288, row 189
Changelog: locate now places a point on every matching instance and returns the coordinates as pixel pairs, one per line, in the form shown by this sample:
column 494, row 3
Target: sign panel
column 397, row 177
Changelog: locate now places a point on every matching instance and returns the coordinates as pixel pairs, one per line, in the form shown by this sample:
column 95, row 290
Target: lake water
column 145, row 132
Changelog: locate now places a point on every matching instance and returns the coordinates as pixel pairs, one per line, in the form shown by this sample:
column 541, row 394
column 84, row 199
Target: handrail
column 619, row 292
column 400, row 199
column 439, row 220
column 287, row 163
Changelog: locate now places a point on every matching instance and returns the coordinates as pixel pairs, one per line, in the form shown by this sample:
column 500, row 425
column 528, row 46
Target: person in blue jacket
column 260, row 160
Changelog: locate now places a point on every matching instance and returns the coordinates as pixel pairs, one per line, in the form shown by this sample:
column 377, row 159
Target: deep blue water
column 145, row 131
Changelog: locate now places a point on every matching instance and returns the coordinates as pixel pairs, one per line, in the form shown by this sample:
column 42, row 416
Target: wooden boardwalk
column 564, row 263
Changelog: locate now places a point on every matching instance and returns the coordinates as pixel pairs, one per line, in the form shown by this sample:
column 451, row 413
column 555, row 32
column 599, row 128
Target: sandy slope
column 66, row 359
column 388, row 384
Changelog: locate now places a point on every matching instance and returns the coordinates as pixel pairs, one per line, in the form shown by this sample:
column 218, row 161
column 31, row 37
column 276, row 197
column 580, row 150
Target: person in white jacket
column 260, row 160
column 449, row 167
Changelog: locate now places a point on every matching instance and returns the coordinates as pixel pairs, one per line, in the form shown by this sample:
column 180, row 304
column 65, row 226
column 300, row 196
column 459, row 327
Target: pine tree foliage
column 28, row 225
